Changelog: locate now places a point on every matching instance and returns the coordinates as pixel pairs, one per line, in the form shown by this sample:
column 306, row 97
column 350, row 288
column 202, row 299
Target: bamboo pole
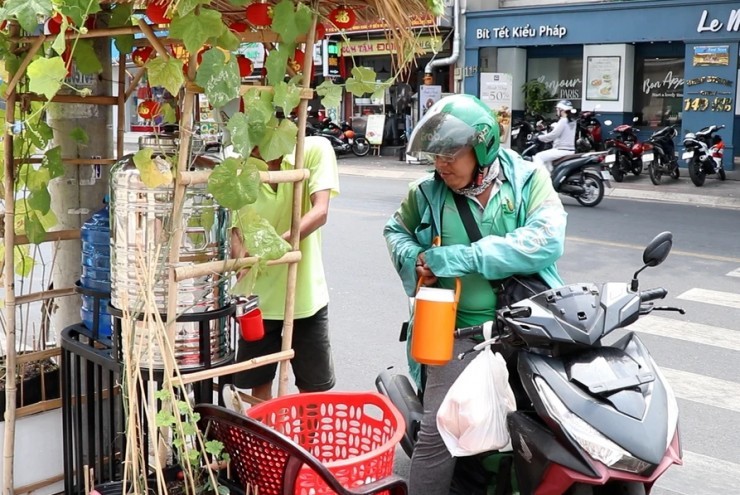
column 44, row 295
column 295, row 233
column 134, row 82
column 202, row 269
column 269, row 177
column 57, row 235
column 282, row 356
column 92, row 33
column 81, row 100
column 155, row 42
column 70, row 161
column 9, row 279
column 121, row 120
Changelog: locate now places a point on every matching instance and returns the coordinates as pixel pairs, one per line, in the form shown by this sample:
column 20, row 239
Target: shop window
column 562, row 76
column 658, row 91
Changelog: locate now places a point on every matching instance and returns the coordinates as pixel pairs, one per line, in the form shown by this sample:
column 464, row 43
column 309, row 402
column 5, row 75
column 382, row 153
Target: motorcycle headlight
column 594, row 443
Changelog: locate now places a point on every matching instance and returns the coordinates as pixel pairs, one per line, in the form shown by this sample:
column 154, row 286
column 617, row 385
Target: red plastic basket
column 354, row 434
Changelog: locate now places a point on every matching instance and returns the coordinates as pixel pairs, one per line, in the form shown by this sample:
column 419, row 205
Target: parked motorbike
column 343, row 131
column 661, row 159
column 588, row 132
column 523, row 129
column 591, row 418
column 703, row 152
column 581, row 176
column 624, row 152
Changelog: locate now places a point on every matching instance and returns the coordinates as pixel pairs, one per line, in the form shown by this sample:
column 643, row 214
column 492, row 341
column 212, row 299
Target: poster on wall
column 706, row 56
column 496, row 92
column 374, row 130
column 428, row 96
column 602, row 74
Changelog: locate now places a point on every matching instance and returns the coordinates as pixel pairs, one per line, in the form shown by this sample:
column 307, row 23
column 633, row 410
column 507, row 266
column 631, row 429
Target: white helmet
column 564, row 105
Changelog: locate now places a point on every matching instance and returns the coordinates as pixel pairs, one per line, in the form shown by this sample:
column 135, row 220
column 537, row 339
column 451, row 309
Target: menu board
column 602, row 78
column 374, row 130
column 496, row 91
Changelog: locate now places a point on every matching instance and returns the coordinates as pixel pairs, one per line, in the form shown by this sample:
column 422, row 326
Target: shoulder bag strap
column 463, row 208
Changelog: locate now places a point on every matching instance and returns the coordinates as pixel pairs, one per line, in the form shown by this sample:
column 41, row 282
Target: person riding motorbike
column 563, row 136
column 522, row 222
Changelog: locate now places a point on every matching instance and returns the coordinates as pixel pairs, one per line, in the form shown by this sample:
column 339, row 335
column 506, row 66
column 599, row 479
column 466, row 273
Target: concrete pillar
column 624, row 97
column 514, row 61
column 80, row 192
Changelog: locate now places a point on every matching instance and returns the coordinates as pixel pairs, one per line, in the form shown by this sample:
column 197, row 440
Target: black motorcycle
column 661, row 159
column 343, row 131
column 581, row 176
column 703, row 154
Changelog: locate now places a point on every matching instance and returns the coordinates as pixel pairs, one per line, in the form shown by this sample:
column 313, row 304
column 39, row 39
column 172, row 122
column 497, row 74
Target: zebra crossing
column 702, row 474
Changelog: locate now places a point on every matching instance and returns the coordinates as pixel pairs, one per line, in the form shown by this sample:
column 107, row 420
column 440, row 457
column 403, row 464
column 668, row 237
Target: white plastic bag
column 472, row 417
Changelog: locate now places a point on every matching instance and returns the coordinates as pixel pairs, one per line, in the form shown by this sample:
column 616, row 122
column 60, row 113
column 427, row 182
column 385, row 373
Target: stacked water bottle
column 95, row 279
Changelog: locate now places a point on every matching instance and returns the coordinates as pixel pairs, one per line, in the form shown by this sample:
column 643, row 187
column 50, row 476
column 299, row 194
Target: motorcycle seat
column 562, row 159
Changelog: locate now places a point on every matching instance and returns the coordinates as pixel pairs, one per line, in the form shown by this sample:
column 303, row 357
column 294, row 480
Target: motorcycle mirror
column 608, row 122
column 655, row 253
column 657, row 250
column 635, row 119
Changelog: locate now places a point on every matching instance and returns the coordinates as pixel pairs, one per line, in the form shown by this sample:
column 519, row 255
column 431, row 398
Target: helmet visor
column 440, row 134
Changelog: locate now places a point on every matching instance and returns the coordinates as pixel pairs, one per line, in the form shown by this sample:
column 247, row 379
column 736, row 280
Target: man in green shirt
column 312, row 364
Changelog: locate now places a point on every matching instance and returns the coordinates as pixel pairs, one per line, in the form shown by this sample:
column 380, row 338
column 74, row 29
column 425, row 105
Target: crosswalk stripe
column 704, row 389
column 734, row 273
column 691, row 332
column 727, row 299
column 701, row 475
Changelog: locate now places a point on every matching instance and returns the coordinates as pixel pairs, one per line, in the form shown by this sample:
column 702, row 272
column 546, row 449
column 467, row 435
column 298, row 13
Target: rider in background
column 563, row 136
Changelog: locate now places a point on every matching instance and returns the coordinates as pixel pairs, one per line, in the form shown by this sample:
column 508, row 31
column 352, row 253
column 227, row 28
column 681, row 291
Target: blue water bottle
column 95, row 279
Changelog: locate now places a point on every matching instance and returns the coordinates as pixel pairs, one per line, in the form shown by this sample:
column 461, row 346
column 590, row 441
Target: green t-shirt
column 312, row 293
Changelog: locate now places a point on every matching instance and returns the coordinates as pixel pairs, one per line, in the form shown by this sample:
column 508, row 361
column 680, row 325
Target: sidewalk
column 714, row 192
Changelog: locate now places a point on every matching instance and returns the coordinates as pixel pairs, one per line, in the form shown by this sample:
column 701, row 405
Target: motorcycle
column 588, row 132
column 581, row 176
column 591, row 418
column 343, row 131
column 624, row 152
column 340, row 147
column 661, row 159
column 703, row 154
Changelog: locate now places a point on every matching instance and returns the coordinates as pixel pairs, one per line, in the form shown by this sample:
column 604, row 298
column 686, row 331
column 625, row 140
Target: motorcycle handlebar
column 653, row 294
column 465, row 332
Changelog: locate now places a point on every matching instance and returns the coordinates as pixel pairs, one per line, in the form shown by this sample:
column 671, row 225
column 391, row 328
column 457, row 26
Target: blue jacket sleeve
column 531, row 248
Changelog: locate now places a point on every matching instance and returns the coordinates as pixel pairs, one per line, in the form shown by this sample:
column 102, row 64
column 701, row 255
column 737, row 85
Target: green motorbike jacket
column 523, row 228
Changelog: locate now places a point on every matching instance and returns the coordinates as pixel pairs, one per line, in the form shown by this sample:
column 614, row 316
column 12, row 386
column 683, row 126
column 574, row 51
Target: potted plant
column 538, row 100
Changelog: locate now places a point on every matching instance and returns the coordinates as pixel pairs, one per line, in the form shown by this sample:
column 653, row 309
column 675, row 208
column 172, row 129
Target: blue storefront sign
column 707, row 31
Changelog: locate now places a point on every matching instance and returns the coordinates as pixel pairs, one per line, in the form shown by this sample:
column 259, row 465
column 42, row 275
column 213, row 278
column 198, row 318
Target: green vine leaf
column 218, row 77
column 169, row 116
column 228, row 41
column 45, row 76
column 39, row 134
column 195, row 28
column 78, row 9
column 362, row 81
column 276, row 62
column 60, row 42
column 86, row 60
column 436, row 7
column 27, row 12
column 34, row 179
column 166, row 73
column 287, row 96
column 22, row 262
column 279, row 141
column 121, row 16
column 40, row 200
column 259, row 236
column 331, row 93
column 52, row 161
column 261, row 101
column 214, row 447
column 290, row 23
column 79, row 135
column 235, row 183
column 247, row 130
column 35, row 225
column 184, row 7
column 155, row 171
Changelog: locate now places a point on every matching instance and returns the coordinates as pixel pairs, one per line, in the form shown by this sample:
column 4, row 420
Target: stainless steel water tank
column 140, row 219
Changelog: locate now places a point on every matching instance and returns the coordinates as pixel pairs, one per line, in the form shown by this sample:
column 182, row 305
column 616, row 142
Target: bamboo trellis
column 395, row 13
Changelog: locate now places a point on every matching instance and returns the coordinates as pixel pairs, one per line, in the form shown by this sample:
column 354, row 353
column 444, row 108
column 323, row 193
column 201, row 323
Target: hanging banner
column 428, row 96
column 496, row 91
column 374, row 130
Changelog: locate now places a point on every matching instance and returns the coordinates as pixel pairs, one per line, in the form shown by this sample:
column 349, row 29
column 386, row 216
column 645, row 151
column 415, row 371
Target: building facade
column 659, row 61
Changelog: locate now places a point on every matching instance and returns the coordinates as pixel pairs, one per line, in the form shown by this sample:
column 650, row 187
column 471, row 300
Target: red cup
column 252, row 326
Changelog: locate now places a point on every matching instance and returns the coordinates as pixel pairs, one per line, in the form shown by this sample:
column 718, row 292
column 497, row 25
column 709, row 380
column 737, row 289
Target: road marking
column 727, row 299
column 701, row 475
column 691, row 332
column 734, row 273
column 703, row 389
column 640, row 247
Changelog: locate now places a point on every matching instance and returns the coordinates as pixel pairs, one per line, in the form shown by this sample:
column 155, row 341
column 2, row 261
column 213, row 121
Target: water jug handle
column 458, row 290
column 436, row 243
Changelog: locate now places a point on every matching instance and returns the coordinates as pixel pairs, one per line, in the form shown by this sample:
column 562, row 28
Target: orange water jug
column 433, row 336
